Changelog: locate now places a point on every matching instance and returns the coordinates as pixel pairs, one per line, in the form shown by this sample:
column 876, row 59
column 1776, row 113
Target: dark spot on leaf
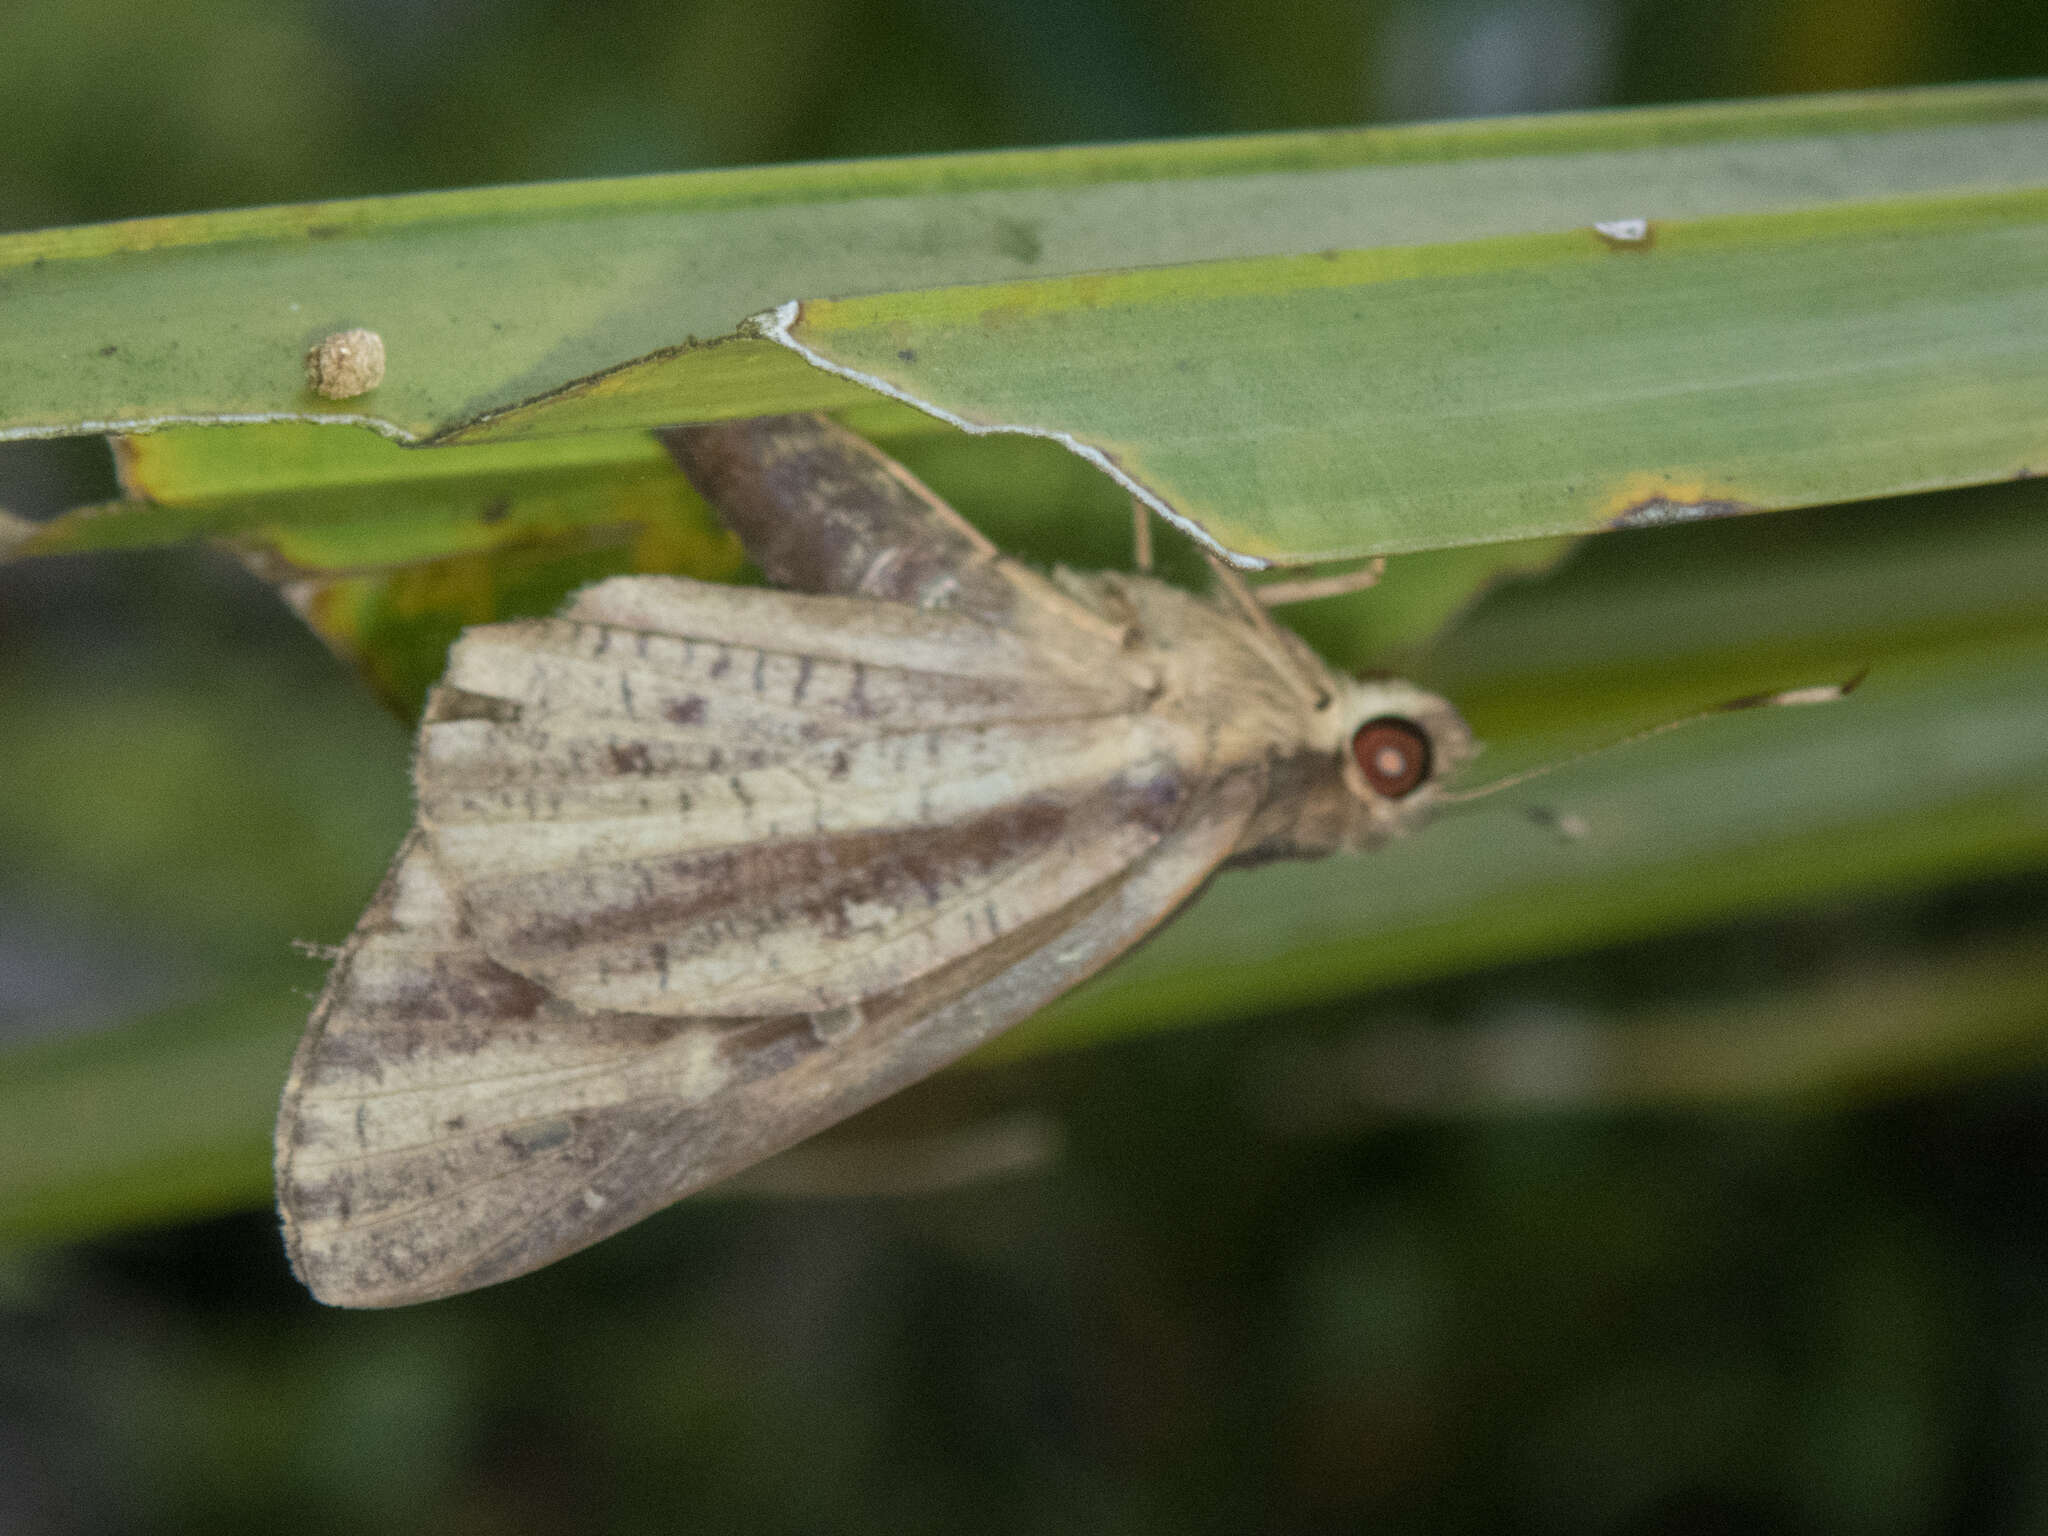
column 908, row 354
column 109, row 350
column 1019, row 240
column 499, row 508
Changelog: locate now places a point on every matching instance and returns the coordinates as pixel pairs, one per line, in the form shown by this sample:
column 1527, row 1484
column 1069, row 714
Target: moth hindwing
column 699, row 870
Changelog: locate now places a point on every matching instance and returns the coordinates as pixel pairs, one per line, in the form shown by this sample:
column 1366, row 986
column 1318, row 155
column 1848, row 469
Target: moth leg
column 1282, row 652
column 821, row 509
column 1141, row 536
column 1302, row 589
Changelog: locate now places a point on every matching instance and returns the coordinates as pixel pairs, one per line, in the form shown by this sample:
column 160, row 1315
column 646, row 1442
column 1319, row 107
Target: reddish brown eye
column 1393, row 754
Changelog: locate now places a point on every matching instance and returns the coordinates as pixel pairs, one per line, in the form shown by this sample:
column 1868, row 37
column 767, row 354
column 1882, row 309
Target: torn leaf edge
column 776, row 325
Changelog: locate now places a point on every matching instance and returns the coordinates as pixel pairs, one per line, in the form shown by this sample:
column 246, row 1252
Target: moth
column 698, row 870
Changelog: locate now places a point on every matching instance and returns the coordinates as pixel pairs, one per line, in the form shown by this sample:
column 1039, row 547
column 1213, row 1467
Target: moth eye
column 1393, row 754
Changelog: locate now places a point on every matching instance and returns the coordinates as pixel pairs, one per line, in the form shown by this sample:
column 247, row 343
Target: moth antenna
column 1283, row 657
column 1821, row 693
column 1303, row 589
column 1141, row 536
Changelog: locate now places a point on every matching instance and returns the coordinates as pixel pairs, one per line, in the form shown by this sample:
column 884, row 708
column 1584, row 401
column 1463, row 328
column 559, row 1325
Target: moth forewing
column 700, row 870
column 829, row 628
column 797, row 918
column 445, row 1127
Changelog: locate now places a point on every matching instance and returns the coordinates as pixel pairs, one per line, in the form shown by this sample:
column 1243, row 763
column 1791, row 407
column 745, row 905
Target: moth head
column 1395, row 745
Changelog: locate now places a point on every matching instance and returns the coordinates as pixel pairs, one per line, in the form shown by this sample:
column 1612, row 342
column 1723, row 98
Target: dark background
column 1742, row 1320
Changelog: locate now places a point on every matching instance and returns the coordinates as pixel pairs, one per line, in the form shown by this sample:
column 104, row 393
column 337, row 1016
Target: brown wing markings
column 481, row 758
column 545, row 680
column 623, row 1160
column 587, row 849
column 913, row 1034
column 589, row 1181
column 307, row 1159
column 808, row 498
column 834, row 784
column 502, row 755
column 363, row 1038
column 357, row 1036
column 637, row 612
column 807, row 924
column 355, row 1130
column 520, row 1162
column 420, row 1253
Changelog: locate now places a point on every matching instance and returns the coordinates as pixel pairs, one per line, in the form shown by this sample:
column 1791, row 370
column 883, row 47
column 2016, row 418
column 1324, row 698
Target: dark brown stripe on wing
column 819, row 882
column 686, row 929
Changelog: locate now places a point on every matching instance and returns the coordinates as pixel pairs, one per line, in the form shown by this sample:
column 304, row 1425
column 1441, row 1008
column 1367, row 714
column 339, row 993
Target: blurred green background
column 1467, row 1300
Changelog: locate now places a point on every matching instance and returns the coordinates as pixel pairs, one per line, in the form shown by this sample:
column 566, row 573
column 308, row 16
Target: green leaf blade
column 522, row 311
column 1369, row 402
